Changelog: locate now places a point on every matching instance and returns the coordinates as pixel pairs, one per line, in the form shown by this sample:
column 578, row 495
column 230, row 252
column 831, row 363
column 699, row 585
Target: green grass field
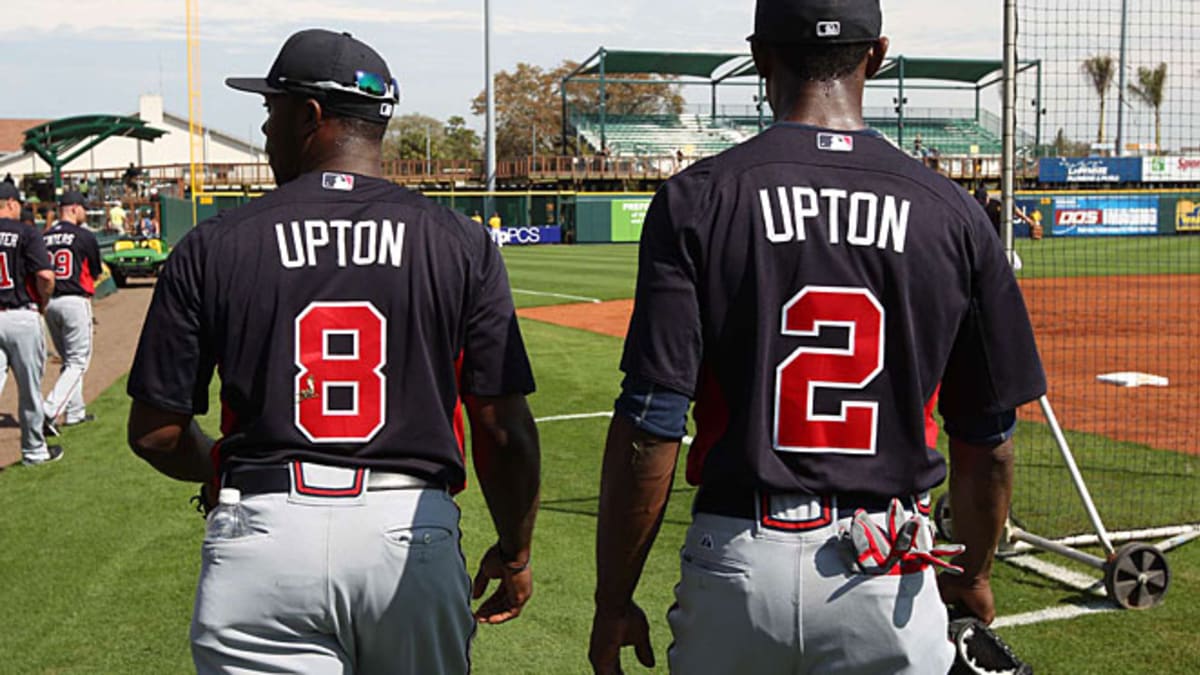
column 99, row 553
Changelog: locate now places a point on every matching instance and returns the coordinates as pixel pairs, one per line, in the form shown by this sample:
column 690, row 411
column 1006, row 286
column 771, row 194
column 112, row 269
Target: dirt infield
column 1086, row 326
column 119, row 320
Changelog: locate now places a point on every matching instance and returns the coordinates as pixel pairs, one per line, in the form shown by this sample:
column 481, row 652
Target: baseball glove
column 979, row 651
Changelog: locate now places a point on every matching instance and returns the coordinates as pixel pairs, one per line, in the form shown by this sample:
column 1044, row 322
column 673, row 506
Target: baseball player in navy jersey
column 809, row 290
column 349, row 320
column 26, row 284
column 75, row 258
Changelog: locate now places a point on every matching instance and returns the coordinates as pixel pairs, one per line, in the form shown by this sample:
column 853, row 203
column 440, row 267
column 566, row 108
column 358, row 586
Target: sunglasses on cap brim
column 371, row 85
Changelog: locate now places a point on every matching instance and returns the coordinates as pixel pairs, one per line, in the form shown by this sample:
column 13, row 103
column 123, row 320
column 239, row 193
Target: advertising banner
column 530, row 236
column 1187, row 214
column 1171, row 170
column 628, row 216
column 1105, row 216
column 1090, row 170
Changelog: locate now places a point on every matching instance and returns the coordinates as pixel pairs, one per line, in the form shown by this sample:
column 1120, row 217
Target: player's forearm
column 45, row 289
column 981, row 480
column 185, row 456
column 634, row 488
column 508, row 464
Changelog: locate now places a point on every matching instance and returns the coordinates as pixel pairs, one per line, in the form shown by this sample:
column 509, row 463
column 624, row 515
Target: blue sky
column 65, row 57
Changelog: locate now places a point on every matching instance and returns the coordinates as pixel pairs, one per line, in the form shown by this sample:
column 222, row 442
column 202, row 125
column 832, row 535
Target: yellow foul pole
column 195, row 128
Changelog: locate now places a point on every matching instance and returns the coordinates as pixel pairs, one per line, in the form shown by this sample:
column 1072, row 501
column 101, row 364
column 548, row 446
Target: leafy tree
column 1151, row 89
column 1101, row 70
column 1065, row 147
column 529, row 105
column 408, row 137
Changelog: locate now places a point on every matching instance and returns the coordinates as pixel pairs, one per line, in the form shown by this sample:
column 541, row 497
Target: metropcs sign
column 1171, row 170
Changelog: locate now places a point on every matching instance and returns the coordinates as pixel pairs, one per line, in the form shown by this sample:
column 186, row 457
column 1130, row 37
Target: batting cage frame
column 1148, row 475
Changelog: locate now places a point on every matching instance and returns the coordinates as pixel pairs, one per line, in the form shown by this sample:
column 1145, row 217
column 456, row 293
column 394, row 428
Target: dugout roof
column 60, row 141
column 690, row 64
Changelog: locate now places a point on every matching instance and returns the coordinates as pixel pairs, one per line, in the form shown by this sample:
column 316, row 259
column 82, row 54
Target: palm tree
column 1101, row 70
column 1150, row 89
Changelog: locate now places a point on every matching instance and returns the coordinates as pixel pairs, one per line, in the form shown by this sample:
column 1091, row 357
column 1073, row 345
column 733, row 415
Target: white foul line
column 1054, row 614
column 565, row 418
column 594, row 301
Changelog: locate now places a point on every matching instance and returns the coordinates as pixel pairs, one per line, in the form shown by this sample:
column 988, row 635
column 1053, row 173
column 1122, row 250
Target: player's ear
column 310, row 117
column 876, row 56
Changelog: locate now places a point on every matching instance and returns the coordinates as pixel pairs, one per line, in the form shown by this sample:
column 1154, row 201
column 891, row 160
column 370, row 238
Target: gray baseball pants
column 758, row 600
column 69, row 318
column 376, row 584
column 23, row 348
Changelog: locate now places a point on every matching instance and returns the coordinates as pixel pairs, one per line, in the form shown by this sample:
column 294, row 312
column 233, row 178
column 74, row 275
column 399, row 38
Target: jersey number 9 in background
column 854, row 428
column 64, row 263
column 341, row 349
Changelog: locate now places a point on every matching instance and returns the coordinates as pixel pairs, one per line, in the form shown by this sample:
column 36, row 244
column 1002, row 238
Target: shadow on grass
column 586, row 506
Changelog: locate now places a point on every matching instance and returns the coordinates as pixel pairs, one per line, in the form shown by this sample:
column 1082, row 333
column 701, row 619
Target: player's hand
column 516, row 585
column 611, row 632
column 969, row 596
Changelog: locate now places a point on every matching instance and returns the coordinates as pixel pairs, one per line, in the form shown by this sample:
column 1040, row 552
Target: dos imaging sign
column 1105, row 216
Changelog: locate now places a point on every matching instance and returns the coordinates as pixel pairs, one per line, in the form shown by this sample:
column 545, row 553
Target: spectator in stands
column 131, row 179
column 148, row 225
column 919, row 149
column 116, row 218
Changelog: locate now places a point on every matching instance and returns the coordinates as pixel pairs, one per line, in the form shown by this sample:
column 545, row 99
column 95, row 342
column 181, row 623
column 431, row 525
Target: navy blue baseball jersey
column 22, row 255
column 345, row 317
column 810, row 290
column 75, row 258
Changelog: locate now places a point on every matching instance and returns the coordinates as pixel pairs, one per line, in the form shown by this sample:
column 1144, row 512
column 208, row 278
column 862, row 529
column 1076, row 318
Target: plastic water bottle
column 228, row 521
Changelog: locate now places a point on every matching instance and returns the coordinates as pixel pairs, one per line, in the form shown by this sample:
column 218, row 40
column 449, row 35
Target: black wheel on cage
column 1137, row 577
column 941, row 518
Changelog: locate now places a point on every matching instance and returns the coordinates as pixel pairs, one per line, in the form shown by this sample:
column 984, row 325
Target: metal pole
column 1120, row 149
column 1076, row 477
column 428, row 151
column 490, row 165
column 900, row 106
column 762, row 93
column 603, row 103
column 1037, row 111
column 563, row 92
column 1008, row 181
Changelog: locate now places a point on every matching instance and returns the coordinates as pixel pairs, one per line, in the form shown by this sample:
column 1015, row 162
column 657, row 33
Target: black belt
column 255, row 480
column 750, row 504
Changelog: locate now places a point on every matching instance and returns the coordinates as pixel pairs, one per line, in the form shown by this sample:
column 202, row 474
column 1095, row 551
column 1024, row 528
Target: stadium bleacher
column 699, row 135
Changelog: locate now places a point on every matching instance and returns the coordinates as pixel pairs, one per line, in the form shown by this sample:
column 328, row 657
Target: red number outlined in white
column 360, row 371
column 854, row 429
column 6, row 281
column 64, row 263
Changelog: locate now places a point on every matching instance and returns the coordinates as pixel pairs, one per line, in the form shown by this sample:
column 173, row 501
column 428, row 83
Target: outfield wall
column 1100, row 213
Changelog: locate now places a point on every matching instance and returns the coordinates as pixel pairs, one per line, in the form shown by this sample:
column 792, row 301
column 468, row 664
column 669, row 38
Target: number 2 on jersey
column 341, row 348
column 854, row 428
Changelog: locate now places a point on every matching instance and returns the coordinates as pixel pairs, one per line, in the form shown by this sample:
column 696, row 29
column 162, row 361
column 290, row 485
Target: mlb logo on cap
column 835, row 143
column 829, row 29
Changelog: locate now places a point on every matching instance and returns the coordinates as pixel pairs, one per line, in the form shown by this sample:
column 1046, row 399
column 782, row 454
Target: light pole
column 490, row 161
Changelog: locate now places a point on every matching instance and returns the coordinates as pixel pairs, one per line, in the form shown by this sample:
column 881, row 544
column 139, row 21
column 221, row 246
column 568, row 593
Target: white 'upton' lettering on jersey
column 870, row 220
column 361, row 244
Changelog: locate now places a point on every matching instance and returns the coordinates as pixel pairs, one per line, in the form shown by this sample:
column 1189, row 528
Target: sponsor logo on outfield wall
column 1171, row 170
column 1187, row 215
column 1105, row 216
column 1090, row 170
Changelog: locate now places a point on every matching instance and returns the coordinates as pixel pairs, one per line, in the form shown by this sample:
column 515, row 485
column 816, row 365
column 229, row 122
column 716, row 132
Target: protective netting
column 1114, row 287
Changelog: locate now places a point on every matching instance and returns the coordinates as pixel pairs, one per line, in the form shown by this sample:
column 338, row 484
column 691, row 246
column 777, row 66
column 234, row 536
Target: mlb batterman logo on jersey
column 337, row 181
column 835, row 142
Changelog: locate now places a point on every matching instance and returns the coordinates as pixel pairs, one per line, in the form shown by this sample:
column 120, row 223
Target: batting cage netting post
column 1112, row 181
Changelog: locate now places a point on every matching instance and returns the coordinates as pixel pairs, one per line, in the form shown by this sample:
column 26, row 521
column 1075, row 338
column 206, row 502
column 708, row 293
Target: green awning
column 694, row 64
column 971, row 71
column 946, row 70
column 59, row 142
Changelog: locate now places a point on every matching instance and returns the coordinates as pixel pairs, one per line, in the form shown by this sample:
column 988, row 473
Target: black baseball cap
column 817, row 22
column 9, row 191
column 346, row 75
column 72, row 198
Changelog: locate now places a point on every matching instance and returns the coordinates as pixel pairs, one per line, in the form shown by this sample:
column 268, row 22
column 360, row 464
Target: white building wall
column 172, row 148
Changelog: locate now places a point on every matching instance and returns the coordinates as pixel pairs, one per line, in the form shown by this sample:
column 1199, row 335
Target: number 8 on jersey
column 339, row 389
